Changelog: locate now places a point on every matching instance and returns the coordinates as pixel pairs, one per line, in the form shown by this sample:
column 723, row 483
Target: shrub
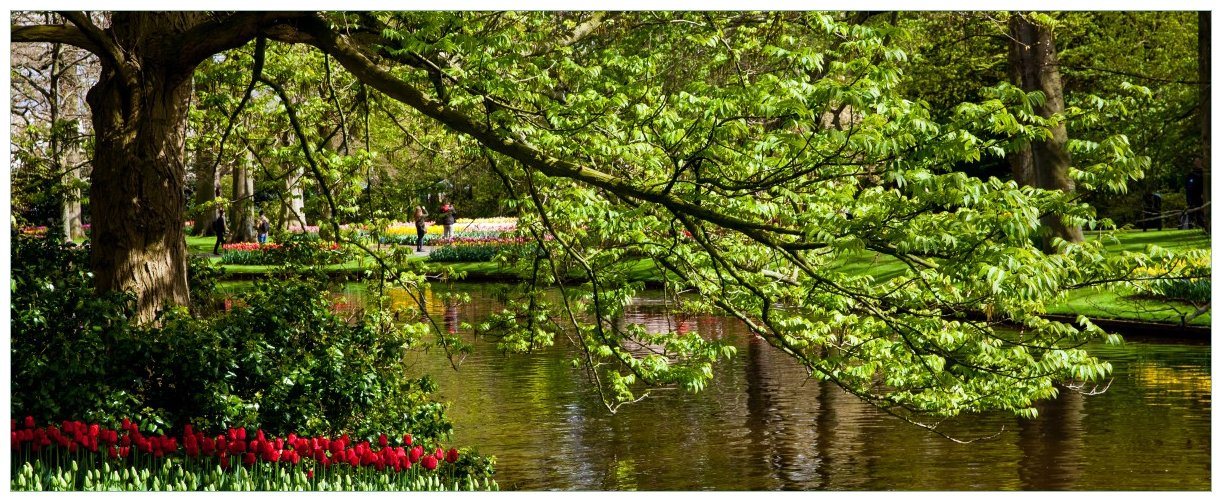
column 281, row 359
column 71, row 349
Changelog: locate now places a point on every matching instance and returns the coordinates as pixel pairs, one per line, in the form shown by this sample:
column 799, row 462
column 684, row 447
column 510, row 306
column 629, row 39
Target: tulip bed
column 462, row 249
column 253, row 253
column 477, row 228
column 76, row 456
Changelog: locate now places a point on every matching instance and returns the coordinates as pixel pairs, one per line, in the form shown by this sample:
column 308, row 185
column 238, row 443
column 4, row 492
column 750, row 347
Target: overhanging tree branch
column 55, row 33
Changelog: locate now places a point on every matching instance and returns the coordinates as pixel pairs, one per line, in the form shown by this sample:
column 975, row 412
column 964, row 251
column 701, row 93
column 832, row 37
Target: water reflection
column 762, row 424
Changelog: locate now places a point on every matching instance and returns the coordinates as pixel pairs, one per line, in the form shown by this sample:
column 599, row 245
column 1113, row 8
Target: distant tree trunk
column 1043, row 164
column 207, row 182
column 71, row 209
column 1203, row 75
column 242, row 215
column 294, row 214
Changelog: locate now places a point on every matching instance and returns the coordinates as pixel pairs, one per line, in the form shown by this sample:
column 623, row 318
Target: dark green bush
column 280, row 360
column 70, row 348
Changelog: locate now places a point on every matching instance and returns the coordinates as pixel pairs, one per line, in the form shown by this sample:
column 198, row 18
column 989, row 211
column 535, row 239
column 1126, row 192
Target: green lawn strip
column 1103, row 304
column 1094, row 303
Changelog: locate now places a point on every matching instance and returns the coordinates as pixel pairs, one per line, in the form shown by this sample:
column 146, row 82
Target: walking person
column 420, row 215
column 262, row 227
column 219, row 228
column 447, row 220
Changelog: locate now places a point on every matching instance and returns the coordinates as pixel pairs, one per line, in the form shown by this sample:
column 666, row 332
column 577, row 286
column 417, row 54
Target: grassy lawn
column 1093, row 303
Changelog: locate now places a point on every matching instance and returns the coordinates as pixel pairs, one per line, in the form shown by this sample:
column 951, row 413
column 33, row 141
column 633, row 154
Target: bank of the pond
column 1119, row 310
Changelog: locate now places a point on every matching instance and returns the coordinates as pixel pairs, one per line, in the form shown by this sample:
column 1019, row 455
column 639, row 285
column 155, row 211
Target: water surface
column 763, row 425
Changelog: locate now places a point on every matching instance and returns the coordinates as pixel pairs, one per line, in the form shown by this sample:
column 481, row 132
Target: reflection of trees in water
column 758, row 426
column 778, row 411
column 1051, row 444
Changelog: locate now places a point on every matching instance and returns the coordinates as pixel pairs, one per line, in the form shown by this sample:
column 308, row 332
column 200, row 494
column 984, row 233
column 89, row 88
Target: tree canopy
column 755, row 158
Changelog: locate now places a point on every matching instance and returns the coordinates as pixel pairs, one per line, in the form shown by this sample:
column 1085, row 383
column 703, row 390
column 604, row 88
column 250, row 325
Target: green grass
column 1094, row 303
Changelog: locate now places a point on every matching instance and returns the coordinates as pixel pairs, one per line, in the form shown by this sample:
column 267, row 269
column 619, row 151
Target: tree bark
column 1042, row 164
column 1203, row 75
column 207, row 182
column 139, row 108
column 242, row 215
column 294, row 213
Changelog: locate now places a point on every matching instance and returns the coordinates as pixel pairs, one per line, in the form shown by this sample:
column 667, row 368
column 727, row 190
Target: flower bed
column 78, row 456
column 405, row 233
column 1170, row 282
column 253, row 253
column 463, row 249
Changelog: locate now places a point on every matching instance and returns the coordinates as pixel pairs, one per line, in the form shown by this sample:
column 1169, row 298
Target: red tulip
column 452, row 455
column 382, row 440
column 310, row 474
column 407, row 439
column 416, row 453
column 429, row 462
column 248, row 459
column 224, row 461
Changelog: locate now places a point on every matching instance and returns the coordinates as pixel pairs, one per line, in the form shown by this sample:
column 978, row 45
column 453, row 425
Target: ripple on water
column 761, row 424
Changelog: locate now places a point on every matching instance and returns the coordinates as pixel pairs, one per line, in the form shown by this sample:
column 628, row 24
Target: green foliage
column 746, row 154
column 202, row 278
column 72, row 350
column 280, row 360
column 283, row 360
column 1192, row 291
column 89, row 472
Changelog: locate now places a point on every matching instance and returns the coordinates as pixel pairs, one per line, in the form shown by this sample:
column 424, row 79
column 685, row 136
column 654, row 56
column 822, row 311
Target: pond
column 763, row 425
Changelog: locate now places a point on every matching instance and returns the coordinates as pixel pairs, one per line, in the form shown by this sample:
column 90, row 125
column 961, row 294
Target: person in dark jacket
column 447, row 220
column 262, row 227
column 219, row 228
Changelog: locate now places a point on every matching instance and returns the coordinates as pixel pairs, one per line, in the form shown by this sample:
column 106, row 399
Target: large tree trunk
column 1203, row 40
column 1043, row 164
column 137, row 198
